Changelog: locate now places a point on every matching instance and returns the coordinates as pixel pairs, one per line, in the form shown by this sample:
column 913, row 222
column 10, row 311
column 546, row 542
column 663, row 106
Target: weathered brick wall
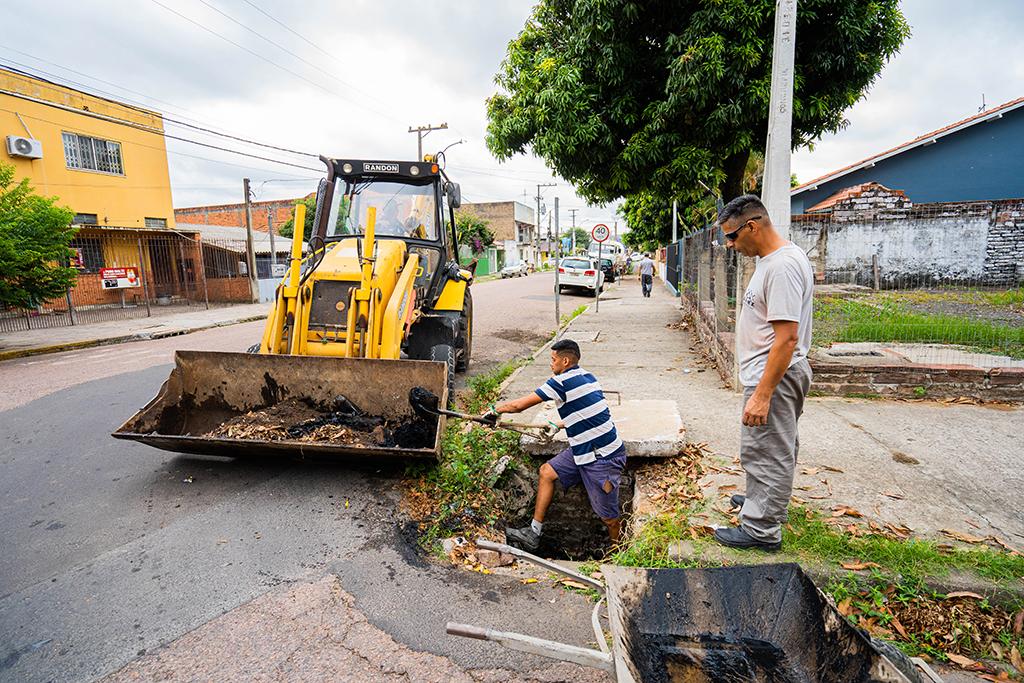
column 229, row 289
column 1004, row 259
column 918, row 381
column 720, row 346
column 281, row 210
column 500, row 217
column 940, row 243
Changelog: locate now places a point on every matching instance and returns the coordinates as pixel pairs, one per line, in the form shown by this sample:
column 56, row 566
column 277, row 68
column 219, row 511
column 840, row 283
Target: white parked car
column 579, row 271
column 515, row 270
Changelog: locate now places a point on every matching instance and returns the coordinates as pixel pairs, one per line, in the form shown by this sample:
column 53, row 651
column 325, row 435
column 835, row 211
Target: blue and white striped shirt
column 581, row 405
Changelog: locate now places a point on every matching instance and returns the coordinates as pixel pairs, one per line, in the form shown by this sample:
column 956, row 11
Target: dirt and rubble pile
column 339, row 422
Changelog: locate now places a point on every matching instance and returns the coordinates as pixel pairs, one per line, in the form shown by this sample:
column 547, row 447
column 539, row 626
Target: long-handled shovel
column 426, row 404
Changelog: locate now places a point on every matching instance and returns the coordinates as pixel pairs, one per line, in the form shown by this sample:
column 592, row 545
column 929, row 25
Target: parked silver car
column 515, row 270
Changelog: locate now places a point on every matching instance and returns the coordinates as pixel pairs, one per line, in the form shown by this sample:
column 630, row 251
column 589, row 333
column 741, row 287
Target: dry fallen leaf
column 1018, row 623
column 899, row 628
column 569, row 583
column 858, row 566
column 527, row 581
column 960, row 660
column 845, row 607
column 963, row 594
column 893, row 494
column 966, row 538
column 811, row 471
column 829, row 468
column 1016, row 660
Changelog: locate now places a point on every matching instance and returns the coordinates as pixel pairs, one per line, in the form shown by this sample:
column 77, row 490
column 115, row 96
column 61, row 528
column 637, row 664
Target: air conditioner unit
column 24, row 147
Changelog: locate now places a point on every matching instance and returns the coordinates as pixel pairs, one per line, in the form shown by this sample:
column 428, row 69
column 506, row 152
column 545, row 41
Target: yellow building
column 105, row 160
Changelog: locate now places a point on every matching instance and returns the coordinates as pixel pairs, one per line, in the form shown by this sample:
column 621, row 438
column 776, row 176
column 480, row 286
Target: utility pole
column 270, row 229
column 573, row 212
column 250, row 251
column 675, row 221
column 540, row 185
column 422, row 132
column 558, row 261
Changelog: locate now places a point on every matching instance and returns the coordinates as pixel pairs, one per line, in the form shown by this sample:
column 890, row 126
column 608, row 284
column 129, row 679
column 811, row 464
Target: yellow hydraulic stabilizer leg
column 363, row 297
column 283, row 313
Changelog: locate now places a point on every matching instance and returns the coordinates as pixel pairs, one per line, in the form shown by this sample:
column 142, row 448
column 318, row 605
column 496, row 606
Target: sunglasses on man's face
column 731, row 236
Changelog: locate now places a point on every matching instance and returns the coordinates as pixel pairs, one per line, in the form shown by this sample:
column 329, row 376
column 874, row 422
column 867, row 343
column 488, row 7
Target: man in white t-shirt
column 773, row 335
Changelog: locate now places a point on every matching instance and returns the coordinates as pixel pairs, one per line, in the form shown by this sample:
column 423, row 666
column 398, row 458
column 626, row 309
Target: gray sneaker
column 524, row 539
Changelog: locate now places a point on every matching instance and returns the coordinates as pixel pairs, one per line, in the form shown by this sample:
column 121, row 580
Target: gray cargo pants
column 768, row 456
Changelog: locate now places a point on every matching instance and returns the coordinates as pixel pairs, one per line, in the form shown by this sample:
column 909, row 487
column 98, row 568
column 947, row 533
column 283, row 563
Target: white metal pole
column 558, row 263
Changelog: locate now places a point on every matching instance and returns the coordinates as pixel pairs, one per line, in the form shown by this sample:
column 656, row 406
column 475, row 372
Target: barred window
column 92, row 154
column 91, row 253
column 156, row 222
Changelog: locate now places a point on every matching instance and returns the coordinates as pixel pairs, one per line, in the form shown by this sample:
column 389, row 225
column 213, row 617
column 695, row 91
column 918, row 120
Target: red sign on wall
column 120, row 278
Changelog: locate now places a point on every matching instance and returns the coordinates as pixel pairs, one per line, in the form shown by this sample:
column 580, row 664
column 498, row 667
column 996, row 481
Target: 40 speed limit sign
column 600, row 233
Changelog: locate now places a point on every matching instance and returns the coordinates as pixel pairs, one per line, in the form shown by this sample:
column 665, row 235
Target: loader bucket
column 762, row 623
column 208, row 390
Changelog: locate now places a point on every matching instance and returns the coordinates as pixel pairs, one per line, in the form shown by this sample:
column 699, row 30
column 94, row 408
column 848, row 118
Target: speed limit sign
column 600, row 233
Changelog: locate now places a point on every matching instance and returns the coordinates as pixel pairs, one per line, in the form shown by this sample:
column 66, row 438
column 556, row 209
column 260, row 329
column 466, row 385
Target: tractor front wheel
column 445, row 353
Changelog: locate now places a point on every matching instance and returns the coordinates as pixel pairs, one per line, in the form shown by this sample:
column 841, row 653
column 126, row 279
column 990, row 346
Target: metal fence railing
column 125, row 274
column 928, row 284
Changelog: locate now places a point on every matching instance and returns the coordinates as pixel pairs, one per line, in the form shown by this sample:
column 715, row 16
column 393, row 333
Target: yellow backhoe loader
column 378, row 306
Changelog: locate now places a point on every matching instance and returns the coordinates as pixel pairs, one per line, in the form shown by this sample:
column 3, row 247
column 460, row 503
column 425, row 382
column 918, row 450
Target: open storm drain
column 572, row 531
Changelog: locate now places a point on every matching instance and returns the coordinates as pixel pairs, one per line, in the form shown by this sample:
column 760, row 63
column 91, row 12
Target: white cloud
column 397, row 63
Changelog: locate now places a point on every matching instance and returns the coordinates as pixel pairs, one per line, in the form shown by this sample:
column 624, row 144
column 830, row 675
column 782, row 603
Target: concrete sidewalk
column 54, row 339
column 924, row 465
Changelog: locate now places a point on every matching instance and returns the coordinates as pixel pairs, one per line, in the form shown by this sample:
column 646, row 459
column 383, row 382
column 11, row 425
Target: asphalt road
column 113, row 549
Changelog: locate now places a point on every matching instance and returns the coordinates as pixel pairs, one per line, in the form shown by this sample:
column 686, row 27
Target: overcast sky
column 374, row 67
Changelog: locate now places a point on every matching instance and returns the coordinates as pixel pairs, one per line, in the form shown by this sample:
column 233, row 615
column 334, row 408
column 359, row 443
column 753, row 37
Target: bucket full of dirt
column 239, row 404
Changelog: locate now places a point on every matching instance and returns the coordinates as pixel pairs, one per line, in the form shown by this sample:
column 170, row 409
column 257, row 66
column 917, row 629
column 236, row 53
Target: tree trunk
column 735, row 166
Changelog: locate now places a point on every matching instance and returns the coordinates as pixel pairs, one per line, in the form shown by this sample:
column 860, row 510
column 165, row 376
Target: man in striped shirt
column 595, row 456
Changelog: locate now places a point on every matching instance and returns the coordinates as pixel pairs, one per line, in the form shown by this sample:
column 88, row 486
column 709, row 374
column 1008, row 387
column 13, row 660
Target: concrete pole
column 777, row 169
column 779, row 147
column 250, row 251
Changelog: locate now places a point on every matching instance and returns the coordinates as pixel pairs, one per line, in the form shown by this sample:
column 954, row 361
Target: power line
column 275, row 44
column 265, row 59
column 242, row 47
column 166, row 119
column 164, row 149
column 154, row 131
column 289, row 29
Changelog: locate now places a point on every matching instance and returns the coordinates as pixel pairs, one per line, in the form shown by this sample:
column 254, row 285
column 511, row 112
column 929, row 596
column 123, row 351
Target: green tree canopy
column 473, row 231
column 34, row 238
column 621, row 97
column 288, row 229
column 582, row 237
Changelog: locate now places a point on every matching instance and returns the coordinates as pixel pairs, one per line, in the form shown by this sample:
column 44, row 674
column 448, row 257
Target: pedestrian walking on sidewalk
column 646, row 275
column 595, row 456
column 773, row 335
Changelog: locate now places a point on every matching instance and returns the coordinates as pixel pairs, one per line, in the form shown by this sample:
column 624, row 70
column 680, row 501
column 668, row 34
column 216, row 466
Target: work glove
column 490, row 418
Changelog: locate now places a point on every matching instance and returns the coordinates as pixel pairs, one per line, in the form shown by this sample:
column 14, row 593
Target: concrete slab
column 877, row 353
column 649, row 428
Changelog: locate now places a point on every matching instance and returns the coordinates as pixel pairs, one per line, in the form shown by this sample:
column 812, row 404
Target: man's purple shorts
column 593, row 475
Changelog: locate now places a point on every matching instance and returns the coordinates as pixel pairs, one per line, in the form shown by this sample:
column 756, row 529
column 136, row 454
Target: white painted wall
column 913, row 249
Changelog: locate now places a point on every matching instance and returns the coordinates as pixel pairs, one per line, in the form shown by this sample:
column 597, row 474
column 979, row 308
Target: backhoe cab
column 383, row 276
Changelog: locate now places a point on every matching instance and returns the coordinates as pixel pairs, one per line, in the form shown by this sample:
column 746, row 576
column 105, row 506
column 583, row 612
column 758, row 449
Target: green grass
column 1011, row 297
column 461, row 485
column 808, row 539
column 569, row 317
column 891, row 320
